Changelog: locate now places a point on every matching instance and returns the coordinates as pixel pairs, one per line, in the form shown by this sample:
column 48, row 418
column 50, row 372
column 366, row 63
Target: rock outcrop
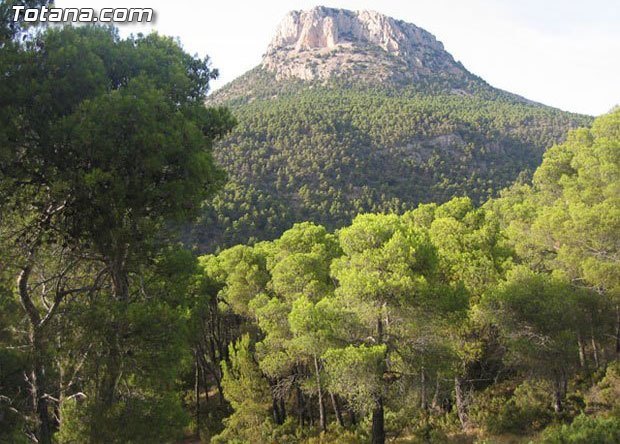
column 325, row 42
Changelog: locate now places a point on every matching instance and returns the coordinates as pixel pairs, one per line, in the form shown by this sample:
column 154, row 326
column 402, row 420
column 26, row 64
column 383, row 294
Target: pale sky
column 563, row 53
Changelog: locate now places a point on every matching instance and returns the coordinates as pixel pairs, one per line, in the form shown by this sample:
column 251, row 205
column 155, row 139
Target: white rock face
column 325, row 42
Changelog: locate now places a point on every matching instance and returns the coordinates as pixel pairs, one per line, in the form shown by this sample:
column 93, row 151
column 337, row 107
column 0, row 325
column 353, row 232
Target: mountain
column 351, row 112
column 323, row 43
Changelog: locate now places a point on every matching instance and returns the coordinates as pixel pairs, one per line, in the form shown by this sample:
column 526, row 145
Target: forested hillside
column 328, row 152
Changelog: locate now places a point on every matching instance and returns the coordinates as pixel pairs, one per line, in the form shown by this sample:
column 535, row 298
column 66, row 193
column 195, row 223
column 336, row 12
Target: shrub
column 605, row 396
column 584, row 430
column 502, row 409
column 139, row 419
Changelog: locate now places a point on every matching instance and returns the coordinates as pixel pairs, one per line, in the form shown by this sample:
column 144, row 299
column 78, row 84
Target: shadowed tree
column 104, row 145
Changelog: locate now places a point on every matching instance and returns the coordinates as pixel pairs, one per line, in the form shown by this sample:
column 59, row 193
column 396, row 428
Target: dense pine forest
column 161, row 282
column 500, row 318
column 327, row 152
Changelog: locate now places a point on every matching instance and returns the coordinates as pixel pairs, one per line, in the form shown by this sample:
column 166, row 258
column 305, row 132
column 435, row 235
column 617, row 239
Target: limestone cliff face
column 325, row 42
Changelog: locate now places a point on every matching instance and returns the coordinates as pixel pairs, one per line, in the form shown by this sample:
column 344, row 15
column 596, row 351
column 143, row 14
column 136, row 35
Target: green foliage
column 149, row 406
column 242, row 271
column 585, row 429
column 541, row 316
column 143, row 418
column 391, row 302
column 568, row 221
column 469, row 243
column 356, row 373
column 604, row 396
column 105, row 149
column 327, row 152
column 338, row 437
column 12, row 401
column 384, row 260
column 314, row 326
column 100, row 103
column 249, row 395
column 502, row 408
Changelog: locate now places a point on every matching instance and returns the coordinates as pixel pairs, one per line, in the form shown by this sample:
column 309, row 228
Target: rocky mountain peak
column 325, row 42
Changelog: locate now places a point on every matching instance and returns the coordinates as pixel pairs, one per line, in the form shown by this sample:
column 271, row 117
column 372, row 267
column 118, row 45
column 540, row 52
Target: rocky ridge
column 324, row 42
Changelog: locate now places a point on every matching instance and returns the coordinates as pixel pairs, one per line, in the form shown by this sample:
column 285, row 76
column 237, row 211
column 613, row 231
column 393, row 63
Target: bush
column 502, row 409
column 339, row 435
column 584, row 430
column 145, row 419
column 605, row 395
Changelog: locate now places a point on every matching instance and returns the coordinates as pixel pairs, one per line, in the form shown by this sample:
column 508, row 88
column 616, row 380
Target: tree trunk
column 435, row 403
column 113, row 372
column 220, row 389
column 322, row 419
column 582, row 352
column 594, row 351
column 197, row 393
column 618, row 329
column 378, row 425
column 61, row 397
column 310, row 413
column 283, row 410
column 423, row 401
column 378, row 419
column 558, row 392
column 277, row 404
column 461, row 401
column 39, row 389
column 217, row 375
column 38, row 382
column 557, row 400
column 277, row 415
column 114, row 364
column 353, row 417
column 301, row 407
column 337, row 410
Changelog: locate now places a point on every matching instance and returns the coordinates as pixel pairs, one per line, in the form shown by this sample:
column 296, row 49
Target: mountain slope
column 354, row 111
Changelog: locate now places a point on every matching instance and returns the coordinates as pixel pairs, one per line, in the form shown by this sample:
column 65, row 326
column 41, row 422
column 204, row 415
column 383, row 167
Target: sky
column 563, row 53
